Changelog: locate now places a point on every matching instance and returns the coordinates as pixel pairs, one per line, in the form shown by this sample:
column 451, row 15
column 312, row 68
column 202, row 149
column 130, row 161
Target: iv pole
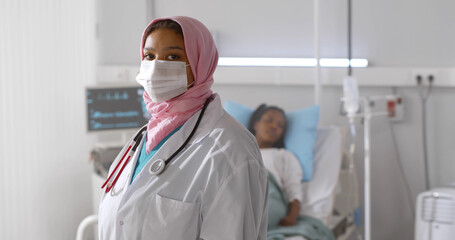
column 317, row 72
column 367, row 115
column 368, row 103
column 367, row 161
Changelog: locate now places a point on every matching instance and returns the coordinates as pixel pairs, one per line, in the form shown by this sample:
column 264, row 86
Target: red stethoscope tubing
column 108, row 188
column 135, row 143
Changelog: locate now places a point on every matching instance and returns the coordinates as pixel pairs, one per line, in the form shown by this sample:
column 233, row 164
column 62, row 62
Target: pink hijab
column 203, row 57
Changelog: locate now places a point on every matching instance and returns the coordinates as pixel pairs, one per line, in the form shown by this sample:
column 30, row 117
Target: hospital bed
column 318, row 194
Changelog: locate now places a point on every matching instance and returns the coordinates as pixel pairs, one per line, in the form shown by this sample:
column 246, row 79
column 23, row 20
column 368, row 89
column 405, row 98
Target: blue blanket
column 309, row 227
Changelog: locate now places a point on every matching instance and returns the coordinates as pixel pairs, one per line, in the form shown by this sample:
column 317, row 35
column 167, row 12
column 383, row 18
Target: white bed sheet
column 318, row 194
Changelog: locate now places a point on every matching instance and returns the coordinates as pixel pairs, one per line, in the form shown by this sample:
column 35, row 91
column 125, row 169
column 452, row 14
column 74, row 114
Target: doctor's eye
column 149, row 57
column 173, row 57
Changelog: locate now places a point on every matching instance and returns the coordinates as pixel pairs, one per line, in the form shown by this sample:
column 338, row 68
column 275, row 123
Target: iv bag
column 350, row 96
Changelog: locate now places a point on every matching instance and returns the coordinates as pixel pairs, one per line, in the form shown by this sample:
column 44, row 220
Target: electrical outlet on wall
column 424, row 74
column 395, row 109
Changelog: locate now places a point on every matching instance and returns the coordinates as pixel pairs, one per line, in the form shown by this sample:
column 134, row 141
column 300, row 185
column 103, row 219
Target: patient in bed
column 268, row 125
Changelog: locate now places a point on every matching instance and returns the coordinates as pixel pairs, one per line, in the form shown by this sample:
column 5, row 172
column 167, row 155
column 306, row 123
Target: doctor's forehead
column 165, row 24
column 164, row 39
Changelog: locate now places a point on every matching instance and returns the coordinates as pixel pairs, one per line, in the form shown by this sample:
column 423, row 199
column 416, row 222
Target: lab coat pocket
column 171, row 219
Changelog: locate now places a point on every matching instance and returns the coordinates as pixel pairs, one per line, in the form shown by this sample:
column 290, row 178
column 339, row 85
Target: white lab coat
column 216, row 188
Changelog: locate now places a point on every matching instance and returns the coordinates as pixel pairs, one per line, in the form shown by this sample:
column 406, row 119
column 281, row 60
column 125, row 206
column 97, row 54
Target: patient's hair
column 257, row 115
column 167, row 24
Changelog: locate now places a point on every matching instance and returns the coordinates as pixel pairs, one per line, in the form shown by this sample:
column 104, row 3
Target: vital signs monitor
column 115, row 108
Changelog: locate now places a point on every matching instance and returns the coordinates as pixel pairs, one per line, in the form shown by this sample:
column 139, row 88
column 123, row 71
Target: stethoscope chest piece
column 157, row 167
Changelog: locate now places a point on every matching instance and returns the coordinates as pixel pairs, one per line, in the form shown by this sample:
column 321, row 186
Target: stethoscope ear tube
column 136, row 144
column 193, row 131
column 139, row 134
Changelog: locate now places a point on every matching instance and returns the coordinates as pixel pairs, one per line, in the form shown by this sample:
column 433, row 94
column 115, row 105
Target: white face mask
column 163, row 80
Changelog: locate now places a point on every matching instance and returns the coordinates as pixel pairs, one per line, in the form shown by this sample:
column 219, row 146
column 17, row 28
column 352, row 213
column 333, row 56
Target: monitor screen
column 115, row 108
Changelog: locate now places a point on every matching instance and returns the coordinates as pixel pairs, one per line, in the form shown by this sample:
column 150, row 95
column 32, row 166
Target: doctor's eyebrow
column 174, row 47
column 166, row 48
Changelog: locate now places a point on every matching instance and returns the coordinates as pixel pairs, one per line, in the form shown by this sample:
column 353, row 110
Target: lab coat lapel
column 211, row 116
column 129, row 169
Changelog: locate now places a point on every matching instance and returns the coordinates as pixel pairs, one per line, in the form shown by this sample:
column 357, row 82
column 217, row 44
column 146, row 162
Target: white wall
column 119, row 29
column 405, row 33
column 47, row 56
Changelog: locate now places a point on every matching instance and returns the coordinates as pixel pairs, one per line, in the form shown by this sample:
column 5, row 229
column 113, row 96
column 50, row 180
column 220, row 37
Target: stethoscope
column 158, row 165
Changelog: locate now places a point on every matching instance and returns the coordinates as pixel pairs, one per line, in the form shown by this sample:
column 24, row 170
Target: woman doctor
column 215, row 185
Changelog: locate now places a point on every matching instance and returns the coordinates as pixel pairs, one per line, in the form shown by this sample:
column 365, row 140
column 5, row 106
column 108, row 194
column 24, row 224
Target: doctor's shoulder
column 236, row 139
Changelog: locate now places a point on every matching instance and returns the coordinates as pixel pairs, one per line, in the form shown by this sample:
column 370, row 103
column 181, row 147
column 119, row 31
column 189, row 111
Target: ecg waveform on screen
column 118, row 114
column 116, row 108
column 98, row 125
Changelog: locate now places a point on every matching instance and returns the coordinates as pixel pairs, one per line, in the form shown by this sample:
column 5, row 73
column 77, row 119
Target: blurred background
column 52, row 50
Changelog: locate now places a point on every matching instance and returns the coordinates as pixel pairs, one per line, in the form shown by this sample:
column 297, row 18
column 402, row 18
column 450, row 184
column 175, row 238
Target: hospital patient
column 268, row 124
